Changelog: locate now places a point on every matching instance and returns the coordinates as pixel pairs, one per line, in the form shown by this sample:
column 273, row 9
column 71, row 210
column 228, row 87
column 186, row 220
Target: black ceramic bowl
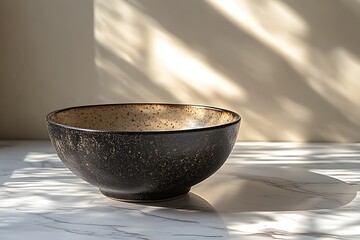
column 143, row 152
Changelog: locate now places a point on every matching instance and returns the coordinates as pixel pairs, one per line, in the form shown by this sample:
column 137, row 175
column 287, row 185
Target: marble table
column 264, row 191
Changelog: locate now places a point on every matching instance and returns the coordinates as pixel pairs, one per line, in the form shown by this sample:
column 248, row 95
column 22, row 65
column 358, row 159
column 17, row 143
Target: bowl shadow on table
column 189, row 201
column 254, row 189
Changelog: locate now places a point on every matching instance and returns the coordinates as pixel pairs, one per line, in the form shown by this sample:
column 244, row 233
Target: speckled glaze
column 143, row 152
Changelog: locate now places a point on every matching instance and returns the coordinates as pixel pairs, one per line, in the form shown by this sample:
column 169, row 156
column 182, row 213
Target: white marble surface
column 264, row 191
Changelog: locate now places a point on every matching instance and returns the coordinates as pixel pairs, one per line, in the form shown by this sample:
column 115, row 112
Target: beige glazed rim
column 228, row 117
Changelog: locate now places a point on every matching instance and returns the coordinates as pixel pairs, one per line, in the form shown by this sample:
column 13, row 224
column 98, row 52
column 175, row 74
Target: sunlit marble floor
column 264, row 191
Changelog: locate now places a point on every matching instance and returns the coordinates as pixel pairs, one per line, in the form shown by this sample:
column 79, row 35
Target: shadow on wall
column 46, row 58
column 289, row 68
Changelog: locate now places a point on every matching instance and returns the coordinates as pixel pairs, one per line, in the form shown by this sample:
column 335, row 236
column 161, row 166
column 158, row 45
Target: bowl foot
column 144, row 197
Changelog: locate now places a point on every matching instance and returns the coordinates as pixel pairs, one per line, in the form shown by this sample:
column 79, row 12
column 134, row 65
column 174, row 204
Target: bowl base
column 144, row 197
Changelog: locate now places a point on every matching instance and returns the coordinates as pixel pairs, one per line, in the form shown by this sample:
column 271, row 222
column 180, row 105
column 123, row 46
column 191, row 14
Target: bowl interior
column 142, row 117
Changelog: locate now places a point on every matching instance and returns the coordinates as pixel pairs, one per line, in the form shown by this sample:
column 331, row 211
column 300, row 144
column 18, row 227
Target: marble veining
column 264, row 191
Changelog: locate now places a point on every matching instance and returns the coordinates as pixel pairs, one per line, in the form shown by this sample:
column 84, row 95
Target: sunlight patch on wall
column 121, row 53
column 279, row 33
column 139, row 60
column 119, row 29
column 174, row 65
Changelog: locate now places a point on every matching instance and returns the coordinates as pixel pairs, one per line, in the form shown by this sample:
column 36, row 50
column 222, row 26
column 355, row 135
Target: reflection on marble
column 264, row 191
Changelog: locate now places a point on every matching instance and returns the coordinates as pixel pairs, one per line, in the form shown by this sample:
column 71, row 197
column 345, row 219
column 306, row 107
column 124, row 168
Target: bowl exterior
column 145, row 165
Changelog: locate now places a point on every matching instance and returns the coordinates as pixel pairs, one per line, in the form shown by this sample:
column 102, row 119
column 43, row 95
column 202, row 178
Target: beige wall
column 290, row 68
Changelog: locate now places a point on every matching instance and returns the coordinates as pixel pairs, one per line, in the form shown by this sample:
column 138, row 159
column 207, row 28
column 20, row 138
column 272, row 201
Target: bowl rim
column 236, row 120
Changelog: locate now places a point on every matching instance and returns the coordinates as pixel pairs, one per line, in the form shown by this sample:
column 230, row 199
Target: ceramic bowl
column 143, row 152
